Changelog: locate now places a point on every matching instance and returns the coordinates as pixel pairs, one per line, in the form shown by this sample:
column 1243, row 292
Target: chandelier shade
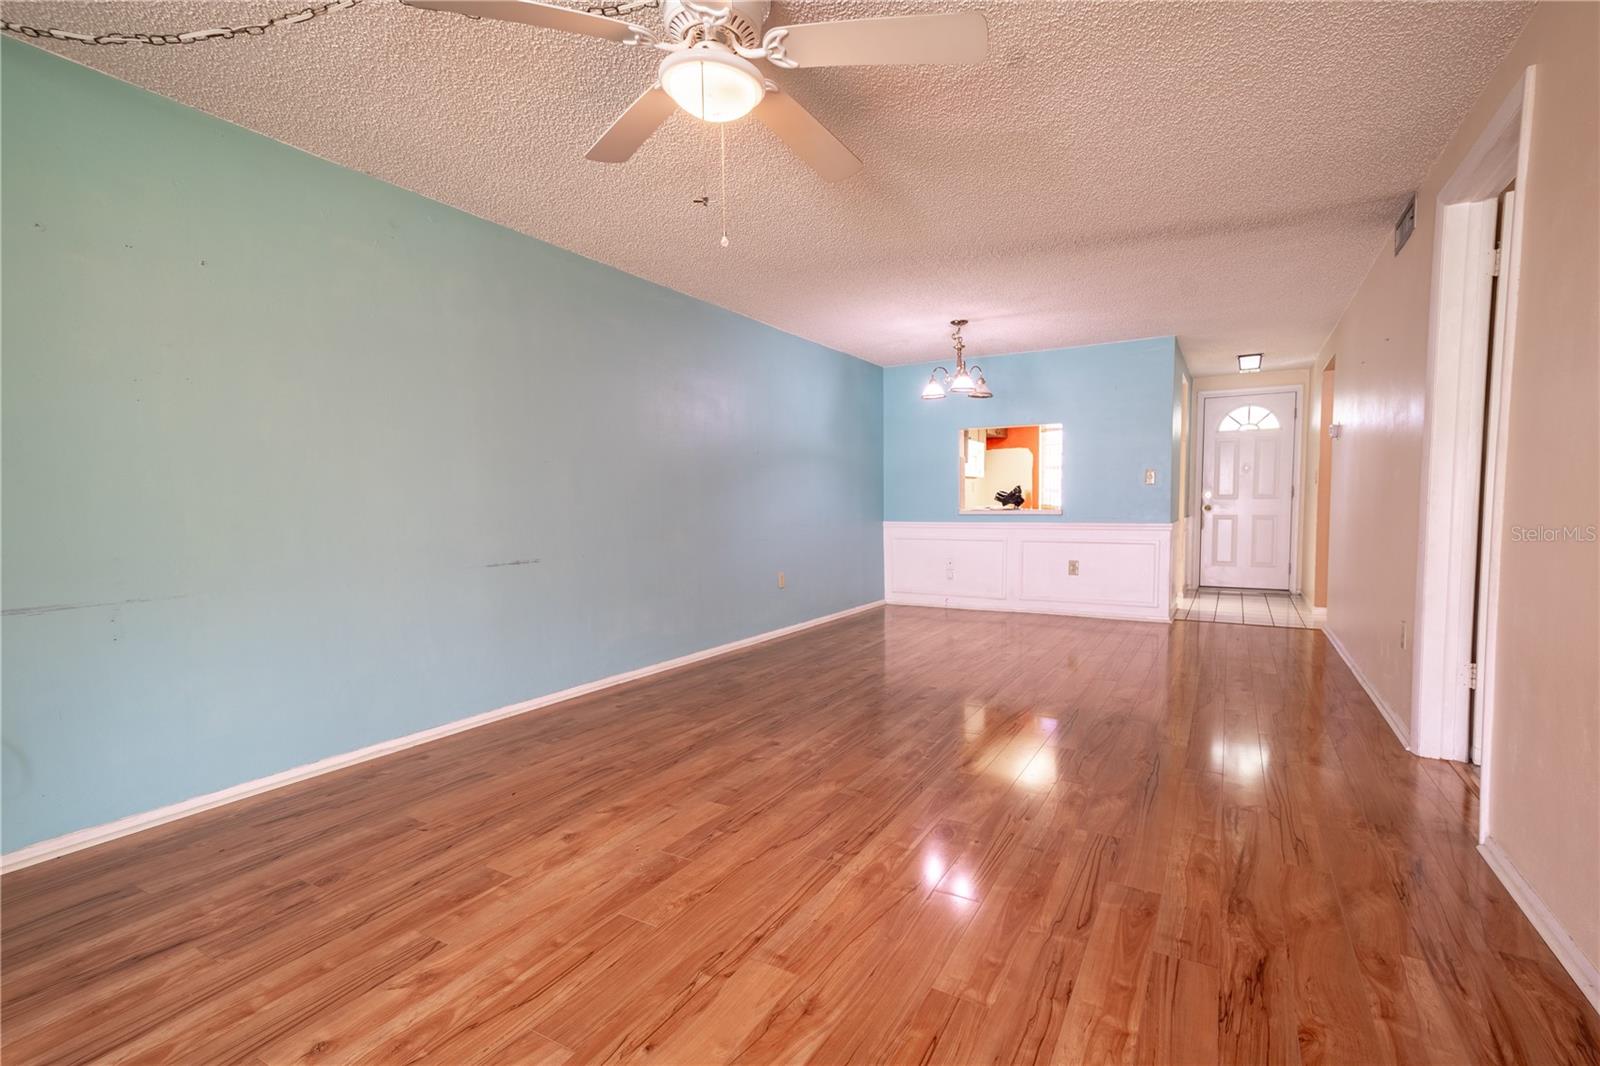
column 966, row 381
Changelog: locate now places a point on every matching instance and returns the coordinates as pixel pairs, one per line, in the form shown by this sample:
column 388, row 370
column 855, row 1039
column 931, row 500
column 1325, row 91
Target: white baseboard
column 1582, row 969
column 1401, row 730
column 134, row 823
column 954, row 604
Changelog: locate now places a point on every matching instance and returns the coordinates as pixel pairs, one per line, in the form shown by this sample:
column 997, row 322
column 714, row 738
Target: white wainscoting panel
column 1124, row 570
column 969, row 567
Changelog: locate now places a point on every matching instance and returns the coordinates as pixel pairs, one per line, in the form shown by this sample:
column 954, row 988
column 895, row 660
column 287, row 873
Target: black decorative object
column 1010, row 499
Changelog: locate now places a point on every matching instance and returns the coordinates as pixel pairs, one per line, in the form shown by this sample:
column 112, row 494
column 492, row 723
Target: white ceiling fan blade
column 962, row 37
column 805, row 136
column 534, row 13
column 633, row 127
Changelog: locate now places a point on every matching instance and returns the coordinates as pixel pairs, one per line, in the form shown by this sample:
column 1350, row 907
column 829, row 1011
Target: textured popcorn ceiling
column 1224, row 172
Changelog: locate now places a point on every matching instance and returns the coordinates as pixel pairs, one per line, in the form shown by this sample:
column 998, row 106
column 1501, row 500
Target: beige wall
column 1268, row 379
column 1313, row 479
column 1544, row 794
column 1317, row 506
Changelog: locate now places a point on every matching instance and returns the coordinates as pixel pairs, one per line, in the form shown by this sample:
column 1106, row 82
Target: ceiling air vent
column 1407, row 223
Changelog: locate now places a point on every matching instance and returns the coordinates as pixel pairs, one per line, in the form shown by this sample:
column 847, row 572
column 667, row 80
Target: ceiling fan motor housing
column 745, row 19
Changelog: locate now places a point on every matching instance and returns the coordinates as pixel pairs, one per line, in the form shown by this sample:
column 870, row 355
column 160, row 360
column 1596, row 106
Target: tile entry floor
column 1251, row 607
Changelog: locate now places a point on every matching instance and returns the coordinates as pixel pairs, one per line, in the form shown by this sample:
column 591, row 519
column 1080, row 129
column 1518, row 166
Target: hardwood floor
column 912, row 836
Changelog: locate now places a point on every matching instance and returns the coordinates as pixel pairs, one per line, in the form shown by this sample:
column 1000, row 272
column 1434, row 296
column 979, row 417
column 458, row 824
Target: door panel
column 1246, row 489
column 1227, row 469
column 1224, row 541
column 1263, row 539
column 1265, row 483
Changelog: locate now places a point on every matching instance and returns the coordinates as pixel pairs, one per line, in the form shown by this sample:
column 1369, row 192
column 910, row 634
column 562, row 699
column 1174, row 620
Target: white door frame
column 1197, row 454
column 1490, row 492
column 1464, row 420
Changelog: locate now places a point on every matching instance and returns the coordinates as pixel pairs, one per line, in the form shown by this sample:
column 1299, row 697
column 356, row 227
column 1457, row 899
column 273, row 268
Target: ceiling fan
column 710, row 68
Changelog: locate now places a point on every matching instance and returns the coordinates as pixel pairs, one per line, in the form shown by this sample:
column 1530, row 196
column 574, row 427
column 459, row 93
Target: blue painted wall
column 1115, row 403
column 296, row 461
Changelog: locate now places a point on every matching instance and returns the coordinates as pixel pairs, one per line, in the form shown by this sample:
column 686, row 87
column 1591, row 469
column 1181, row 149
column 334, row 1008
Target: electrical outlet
column 782, row 581
column 1150, row 476
column 1072, row 568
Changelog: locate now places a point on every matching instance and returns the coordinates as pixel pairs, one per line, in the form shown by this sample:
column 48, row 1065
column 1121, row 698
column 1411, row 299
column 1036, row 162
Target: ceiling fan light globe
column 712, row 84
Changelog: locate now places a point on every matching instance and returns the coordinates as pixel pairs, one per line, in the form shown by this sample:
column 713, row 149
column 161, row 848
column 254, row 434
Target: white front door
column 1247, row 489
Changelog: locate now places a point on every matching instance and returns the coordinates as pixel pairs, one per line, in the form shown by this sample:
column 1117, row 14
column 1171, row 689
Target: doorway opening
column 1470, row 371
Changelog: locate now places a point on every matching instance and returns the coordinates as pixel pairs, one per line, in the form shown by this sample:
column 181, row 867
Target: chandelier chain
column 215, row 33
column 618, row 10
column 253, row 29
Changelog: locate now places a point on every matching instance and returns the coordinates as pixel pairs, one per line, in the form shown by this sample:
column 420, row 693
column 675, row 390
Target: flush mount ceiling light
column 712, row 83
column 965, row 381
column 1250, row 364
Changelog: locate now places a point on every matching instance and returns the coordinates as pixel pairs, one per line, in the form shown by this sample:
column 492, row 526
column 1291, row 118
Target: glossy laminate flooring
column 911, row 836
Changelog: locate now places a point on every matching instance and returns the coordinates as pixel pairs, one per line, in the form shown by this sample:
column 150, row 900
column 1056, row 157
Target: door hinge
column 1495, row 272
column 1472, row 676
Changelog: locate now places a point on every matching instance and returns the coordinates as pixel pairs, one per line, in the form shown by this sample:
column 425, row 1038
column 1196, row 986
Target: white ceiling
column 1224, row 172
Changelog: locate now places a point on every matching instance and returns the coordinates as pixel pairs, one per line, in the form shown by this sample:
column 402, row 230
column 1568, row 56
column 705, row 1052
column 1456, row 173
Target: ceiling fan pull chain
column 704, row 199
column 705, row 168
column 724, row 128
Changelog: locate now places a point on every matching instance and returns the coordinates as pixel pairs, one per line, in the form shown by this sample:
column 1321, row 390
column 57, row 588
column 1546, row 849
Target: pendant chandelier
column 965, row 381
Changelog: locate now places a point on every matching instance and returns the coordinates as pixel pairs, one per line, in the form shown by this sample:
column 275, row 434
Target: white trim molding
column 1399, row 725
column 134, row 823
column 1582, row 969
column 1097, row 570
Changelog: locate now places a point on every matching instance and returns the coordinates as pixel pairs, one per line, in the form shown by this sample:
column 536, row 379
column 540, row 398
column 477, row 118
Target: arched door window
column 1250, row 416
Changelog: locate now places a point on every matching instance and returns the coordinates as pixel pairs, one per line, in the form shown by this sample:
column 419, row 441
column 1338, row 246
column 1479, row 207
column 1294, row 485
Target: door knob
column 1208, row 507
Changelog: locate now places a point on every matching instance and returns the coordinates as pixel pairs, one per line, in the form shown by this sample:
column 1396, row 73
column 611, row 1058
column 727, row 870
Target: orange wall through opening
column 1021, row 437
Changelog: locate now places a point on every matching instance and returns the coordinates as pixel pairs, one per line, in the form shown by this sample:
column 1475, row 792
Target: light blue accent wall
column 1115, row 403
column 295, row 461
